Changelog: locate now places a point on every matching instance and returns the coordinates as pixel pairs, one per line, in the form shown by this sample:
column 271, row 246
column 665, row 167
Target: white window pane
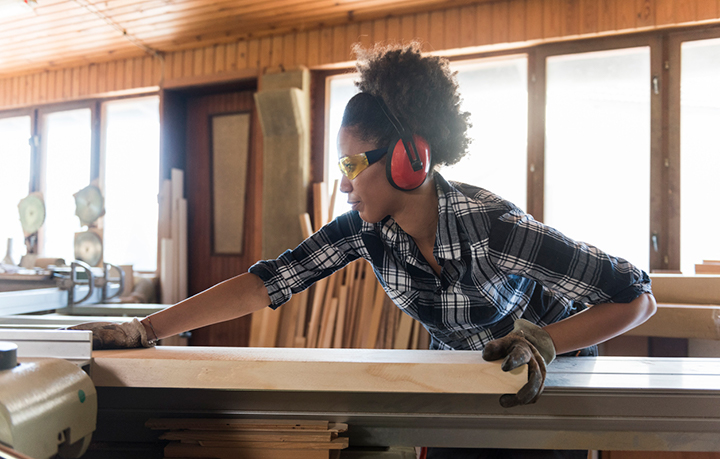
column 15, row 157
column 132, row 162
column 597, row 150
column 67, row 140
column 494, row 91
column 341, row 89
column 700, row 153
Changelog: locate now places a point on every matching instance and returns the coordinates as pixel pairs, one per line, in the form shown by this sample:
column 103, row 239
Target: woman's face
column 369, row 193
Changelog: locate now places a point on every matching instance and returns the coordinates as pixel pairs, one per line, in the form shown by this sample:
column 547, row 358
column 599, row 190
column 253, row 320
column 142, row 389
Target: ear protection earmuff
column 408, row 156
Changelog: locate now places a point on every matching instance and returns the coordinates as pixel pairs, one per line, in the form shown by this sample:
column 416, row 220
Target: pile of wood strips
column 250, row 438
column 348, row 309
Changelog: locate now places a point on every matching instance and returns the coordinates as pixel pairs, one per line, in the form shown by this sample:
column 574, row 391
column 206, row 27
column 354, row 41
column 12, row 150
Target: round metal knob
column 8, row 355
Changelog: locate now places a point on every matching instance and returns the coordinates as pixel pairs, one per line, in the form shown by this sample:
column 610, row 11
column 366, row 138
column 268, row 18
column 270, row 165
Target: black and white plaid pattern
column 498, row 264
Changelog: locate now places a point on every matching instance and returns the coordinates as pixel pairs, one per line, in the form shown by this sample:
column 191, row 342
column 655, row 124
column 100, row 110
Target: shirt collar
column 448, row 238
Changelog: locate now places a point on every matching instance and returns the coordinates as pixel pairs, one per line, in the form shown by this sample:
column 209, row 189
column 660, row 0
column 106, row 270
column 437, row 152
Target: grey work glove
column 526, row 344
column 109, row 335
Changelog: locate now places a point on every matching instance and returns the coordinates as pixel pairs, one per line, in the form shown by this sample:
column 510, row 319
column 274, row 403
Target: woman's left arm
column 600, row 323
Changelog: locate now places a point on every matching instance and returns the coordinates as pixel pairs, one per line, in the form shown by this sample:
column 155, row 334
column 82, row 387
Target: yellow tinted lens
column 351, row 166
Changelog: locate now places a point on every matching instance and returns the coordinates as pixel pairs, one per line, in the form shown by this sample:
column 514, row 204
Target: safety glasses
column 351, row 166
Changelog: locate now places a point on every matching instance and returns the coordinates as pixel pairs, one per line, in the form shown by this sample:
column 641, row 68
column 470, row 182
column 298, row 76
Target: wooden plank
column 664, row 12
column 379, row 31
column 242, row 54
column 301, row 48
column 452, row 28
column 243, row 425
column 316, row 311
column 407, row 27
column 625, row 11
column 589, row 23
column 393, row 29
column 501, row 22
column 326, row 45
column 219, row 65
column 253, row 436
column 706, row 9
column 342, row 308
column 516, row 21
column 484, row 24
column 685, row 11
column 366, row 306
column 644, row 13
column 340, row 45
column 707, row 268
column 320, row 205
column 288, row 58
column 276, row 51
column 342, row 370
column 328, row 323
column 437, row 29
column 231, row 56
column 682, row 321
column 370, row 339
column 313, row 48
column 551, row 18
column 404, row 330
column 570, row 22
column 288, row 321
column 337, row 443
column 678, row 289
column 186, row 451
column 534, row 19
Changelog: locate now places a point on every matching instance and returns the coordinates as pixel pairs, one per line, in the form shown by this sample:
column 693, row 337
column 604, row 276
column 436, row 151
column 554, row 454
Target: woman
column 476, row 271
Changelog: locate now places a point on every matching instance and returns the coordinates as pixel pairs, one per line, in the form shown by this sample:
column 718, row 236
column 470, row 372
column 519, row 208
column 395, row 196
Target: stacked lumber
column 348, row 309
column 172, row 231
column 250, row 438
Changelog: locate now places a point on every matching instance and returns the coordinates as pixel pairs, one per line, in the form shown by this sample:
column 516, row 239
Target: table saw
column 416, row 398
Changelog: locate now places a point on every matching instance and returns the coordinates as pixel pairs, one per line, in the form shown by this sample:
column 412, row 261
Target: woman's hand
column 109, row 335
column 526, row 344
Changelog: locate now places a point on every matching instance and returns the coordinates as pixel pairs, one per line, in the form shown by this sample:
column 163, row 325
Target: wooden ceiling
column 61, row 33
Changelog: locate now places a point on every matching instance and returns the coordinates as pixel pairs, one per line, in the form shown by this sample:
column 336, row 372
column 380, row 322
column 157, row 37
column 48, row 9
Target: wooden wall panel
column 469, row 26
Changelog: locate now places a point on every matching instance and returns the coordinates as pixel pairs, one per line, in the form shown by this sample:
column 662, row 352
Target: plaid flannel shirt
column 498, row 264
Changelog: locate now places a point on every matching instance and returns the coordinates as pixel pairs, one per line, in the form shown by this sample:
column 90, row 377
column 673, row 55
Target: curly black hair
column 420, row 90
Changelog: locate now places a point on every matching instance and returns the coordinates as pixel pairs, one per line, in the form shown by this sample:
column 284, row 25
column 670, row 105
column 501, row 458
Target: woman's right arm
column 227, row 300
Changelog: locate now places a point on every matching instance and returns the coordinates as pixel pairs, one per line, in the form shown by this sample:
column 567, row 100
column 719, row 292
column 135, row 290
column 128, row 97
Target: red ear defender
column 408, row 162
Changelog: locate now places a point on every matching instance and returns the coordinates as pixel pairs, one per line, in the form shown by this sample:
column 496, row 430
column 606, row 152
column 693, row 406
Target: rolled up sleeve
column 520, row 245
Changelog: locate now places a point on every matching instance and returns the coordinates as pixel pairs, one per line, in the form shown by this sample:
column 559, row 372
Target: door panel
column 206, row 268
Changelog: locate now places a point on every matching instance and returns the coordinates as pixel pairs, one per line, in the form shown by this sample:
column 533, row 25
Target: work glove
column 526, row 344
column 109, row 335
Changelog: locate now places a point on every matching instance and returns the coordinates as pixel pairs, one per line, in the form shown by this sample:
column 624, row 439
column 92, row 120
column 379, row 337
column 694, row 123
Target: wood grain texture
column 333, row 370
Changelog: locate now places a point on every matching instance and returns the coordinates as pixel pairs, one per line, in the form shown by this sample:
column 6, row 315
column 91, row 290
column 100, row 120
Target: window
column 494, row 91
column 15, row 157
column 66, row 141
column 124, row 164
column 699, row 152
column 597, row 150
column 341, row 89
column 131, row 177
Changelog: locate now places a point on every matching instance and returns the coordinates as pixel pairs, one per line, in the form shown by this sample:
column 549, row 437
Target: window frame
column 38, row 146
column 665, row 48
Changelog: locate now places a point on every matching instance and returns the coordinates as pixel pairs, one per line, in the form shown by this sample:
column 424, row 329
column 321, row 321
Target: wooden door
column 206, row 267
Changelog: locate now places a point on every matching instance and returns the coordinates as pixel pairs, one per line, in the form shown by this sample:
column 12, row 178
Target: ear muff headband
column 408, row 155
